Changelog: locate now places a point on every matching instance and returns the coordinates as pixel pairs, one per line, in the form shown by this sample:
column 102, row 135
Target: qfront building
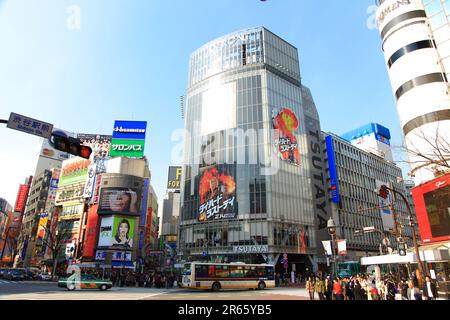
column 254, row 181
column 416, row 44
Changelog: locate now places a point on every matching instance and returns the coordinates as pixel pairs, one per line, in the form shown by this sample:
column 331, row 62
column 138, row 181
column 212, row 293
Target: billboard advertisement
column 90, row 181
column 71, row 212
column 119, row 200
column 91, row 232
column 334, row 182
column 144, row 203
column 217, row 191
column 22, row 197
column 117, row 231
column 106, row 232
column 42, row 227
column 285, row 124
column 74, row 171
column 68, row 194
column 432, row 202
column 128, row 139
column 116, row 256
column 174, row 178
column 342, row 247
column 385, row 210
column 100, row 144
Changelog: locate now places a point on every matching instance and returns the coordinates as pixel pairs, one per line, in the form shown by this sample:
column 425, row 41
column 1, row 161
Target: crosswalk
column 2, row 281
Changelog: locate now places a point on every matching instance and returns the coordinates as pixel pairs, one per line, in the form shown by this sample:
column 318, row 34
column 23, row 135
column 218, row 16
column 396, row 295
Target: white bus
column 216, row 276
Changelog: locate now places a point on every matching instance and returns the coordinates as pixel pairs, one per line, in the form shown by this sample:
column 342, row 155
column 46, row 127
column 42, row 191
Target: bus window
column 222, row 272
column 201, row 271
column 250, row 272
column 211, row 271
column 187, row 269
column 236, row 272
column 269, row 273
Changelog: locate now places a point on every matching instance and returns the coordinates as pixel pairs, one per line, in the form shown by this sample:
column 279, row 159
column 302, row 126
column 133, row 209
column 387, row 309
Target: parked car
column 44, row 276
column 16, row 275
column 3, row 272
column 86, row 282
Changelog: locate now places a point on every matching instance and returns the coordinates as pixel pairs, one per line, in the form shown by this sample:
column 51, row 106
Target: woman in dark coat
column 357, row 290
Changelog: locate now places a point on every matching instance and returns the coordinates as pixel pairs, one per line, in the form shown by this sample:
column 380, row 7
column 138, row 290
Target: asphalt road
column 50, row 291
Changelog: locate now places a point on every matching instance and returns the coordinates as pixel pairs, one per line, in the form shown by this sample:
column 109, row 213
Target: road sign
column 369, row 229
column 30, row 125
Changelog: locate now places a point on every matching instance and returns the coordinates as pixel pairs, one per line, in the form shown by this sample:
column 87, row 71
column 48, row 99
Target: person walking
column 390, row 289
column 337, row 289
column 320, row 288
column 310, row 287
column 328, row 288
column 413, row 292
column 429, row 289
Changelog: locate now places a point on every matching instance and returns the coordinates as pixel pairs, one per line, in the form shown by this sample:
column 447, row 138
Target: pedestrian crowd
column 159, row 280
column 367, row 287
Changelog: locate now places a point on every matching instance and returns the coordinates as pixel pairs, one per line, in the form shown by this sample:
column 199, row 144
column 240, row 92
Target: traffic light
column 384, row 192
column 70, row 145
column 402, row 249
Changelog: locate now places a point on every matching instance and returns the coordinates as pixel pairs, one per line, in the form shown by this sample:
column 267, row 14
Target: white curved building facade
column 416, row 49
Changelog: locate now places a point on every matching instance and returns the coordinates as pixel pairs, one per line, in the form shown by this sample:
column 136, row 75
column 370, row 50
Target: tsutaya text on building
column 250, row 249
column 128, row 139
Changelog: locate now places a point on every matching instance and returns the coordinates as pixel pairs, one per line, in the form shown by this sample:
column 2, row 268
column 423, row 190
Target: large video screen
column 119, row 200
column 437, row 203
column 217, row 190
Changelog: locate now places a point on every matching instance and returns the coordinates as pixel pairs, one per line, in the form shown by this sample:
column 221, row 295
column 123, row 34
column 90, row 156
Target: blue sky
column 129, row 61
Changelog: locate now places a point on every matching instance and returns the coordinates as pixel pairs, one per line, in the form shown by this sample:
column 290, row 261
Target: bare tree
column 433, row 154
column 54, row 242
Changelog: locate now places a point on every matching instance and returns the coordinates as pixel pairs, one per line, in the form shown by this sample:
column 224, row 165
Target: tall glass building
column 253, row 186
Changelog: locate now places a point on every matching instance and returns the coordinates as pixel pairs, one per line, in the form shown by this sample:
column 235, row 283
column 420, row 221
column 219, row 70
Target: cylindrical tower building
column 419, row 81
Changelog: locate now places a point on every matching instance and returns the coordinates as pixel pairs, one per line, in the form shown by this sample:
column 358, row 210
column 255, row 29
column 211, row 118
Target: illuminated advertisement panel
column 285, row 124
column 22, row 197
column 217, row 191
column 74, row 171
column 91, row 232
column 174, row 178
column 117, row 231
column 432, row 202
column 119, row 200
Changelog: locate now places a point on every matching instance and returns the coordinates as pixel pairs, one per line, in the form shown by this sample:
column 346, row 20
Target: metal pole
column 412, row 224
column 333, row 243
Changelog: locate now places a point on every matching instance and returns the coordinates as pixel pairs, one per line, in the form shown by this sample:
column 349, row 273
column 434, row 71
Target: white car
column 44, row 276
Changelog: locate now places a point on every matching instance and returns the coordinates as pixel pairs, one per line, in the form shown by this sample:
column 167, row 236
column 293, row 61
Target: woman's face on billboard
column 121, row 203
column 123, row 230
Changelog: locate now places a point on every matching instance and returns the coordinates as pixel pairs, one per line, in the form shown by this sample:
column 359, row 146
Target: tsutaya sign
column 250, row 249
column 391, row 7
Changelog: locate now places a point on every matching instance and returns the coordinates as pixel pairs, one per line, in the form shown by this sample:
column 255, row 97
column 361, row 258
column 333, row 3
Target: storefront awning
column 390, row 258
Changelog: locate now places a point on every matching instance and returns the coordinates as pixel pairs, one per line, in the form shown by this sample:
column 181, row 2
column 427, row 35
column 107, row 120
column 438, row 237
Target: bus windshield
column 187, row 269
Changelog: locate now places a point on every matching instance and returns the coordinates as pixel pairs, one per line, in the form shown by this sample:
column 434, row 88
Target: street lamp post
column 331, row 226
